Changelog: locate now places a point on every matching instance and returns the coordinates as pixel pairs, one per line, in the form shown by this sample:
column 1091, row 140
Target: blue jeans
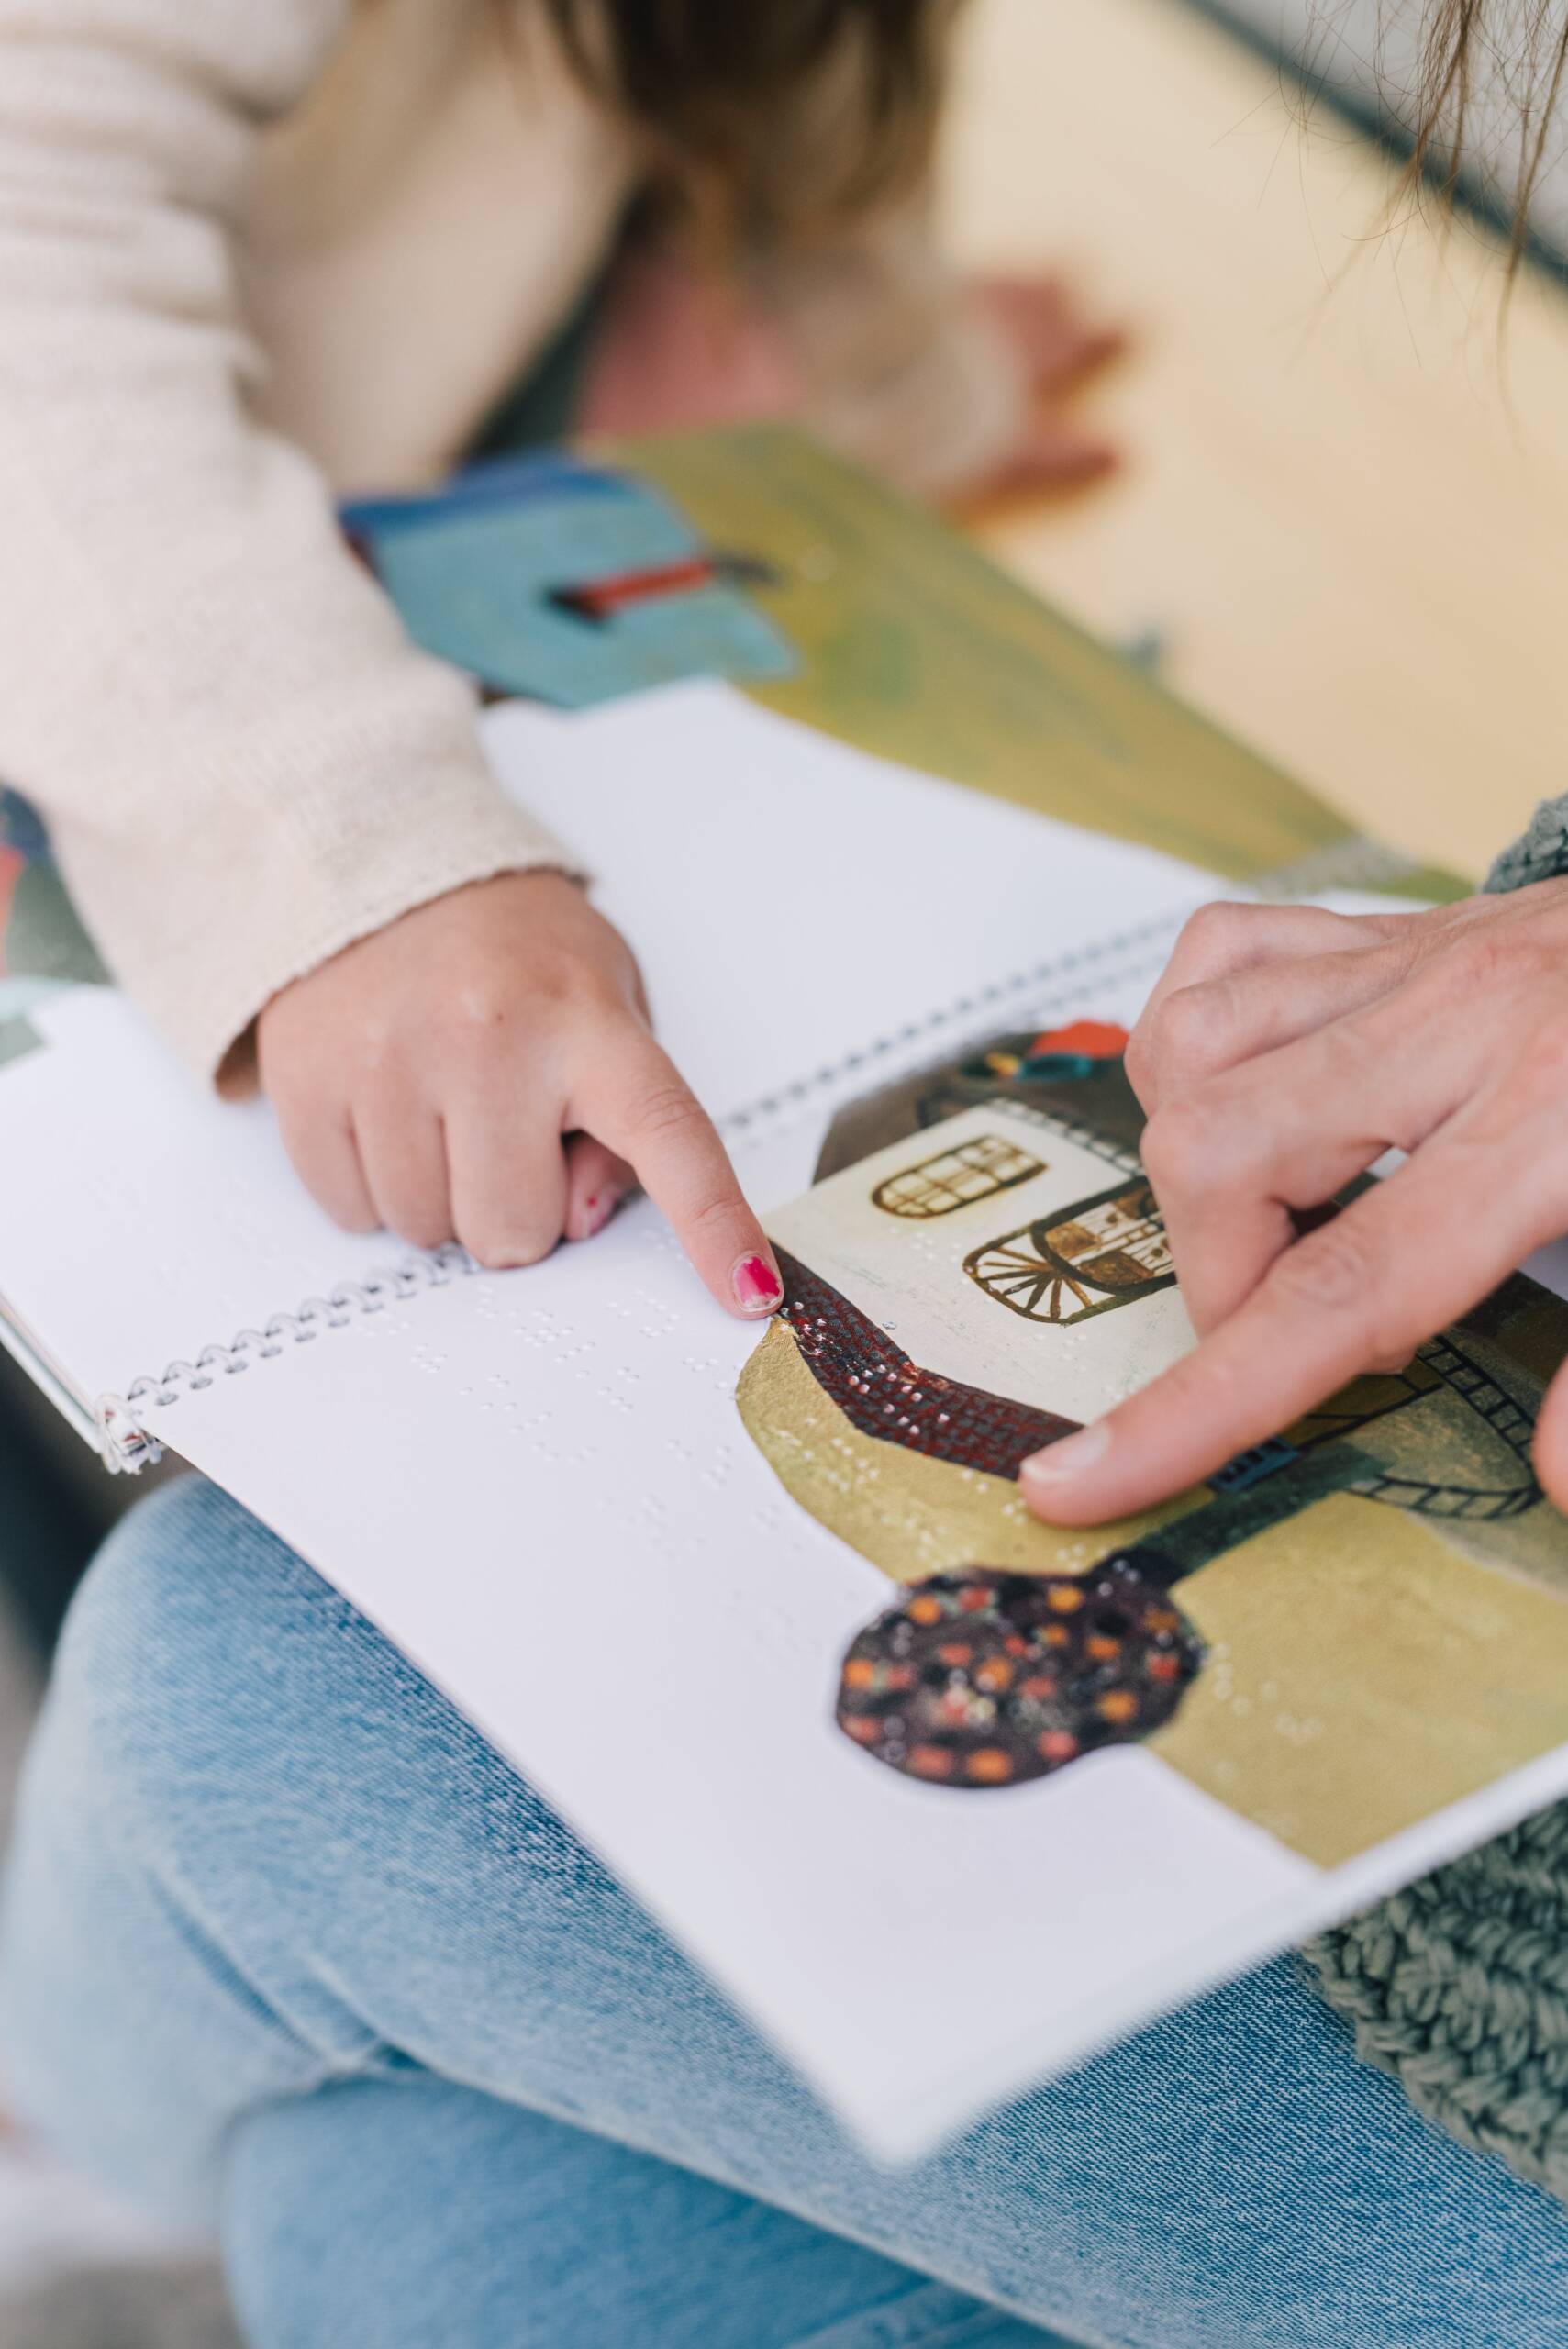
column 289, row 1954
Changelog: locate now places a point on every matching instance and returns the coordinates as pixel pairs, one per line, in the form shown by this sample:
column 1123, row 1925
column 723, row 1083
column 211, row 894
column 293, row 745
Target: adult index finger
column 1407, row 1257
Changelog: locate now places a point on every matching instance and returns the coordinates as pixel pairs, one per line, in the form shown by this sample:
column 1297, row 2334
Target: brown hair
column 1522, row 47
column 772, row 116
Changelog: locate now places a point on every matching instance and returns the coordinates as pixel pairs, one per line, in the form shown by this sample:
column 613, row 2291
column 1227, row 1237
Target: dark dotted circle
column 987, row 1677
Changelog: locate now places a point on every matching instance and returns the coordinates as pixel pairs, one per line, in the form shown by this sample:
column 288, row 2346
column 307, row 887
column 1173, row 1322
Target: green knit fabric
column 1458, row 1987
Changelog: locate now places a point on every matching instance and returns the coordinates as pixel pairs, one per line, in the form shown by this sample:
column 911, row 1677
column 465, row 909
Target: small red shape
column 13, row 864
column 1098, row 1040
column 601, row 600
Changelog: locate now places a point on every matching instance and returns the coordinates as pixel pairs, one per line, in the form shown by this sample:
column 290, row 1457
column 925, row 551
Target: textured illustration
column 1343, row 1630
column 1099, row 1254
column 987, row 1678
column 43, row 946
column 956, row 1179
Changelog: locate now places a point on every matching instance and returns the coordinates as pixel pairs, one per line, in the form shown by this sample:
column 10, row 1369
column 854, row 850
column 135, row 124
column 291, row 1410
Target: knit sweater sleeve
column 243, row 764
column 1540, row 853
column 1454, row 1984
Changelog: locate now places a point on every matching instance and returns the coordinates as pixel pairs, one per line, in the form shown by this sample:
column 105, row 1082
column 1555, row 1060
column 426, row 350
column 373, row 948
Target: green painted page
column 914, row 646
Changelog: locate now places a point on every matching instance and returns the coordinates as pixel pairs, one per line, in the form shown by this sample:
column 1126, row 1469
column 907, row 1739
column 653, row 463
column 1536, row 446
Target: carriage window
column 974, row 1170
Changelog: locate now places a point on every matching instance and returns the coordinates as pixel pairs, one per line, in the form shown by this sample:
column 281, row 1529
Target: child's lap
column 257, row 1852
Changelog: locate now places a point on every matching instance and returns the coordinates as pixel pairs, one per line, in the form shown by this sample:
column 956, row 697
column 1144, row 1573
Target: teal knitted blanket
column 1458, row 1987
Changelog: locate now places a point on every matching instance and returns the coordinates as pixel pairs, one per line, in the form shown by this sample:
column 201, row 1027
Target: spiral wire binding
column 128, row 1445
column 1035, row 993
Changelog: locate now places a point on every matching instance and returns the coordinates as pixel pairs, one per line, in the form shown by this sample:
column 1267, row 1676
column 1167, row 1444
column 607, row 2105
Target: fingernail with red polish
column 756, row 1285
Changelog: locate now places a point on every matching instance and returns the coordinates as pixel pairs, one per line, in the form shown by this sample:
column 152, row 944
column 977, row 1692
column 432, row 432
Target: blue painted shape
column 473, row 587
column 1254, row 1466
column 21, row 828
column 1056, row 1068
column 510, row 480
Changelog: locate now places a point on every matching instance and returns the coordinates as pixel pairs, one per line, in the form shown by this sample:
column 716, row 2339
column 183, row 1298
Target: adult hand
column 483, row 1070
column 1283, row 1051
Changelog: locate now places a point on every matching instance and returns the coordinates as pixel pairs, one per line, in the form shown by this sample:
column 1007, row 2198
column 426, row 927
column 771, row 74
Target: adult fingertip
column 1061, row 1482
column 755, row 1284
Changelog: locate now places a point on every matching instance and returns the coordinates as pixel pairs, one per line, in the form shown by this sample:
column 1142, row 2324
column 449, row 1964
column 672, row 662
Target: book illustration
column 570, row 583
column 956, row 1179
column 984, row 1678
column 1102, row 1252
column 1345, row 1628
column 888, row 1397
column 42, row 944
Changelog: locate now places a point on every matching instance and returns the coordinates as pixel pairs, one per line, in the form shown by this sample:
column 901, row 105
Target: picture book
column 761, row 1609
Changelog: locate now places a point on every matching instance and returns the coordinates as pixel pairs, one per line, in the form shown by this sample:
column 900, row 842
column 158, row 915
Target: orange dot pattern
column 987, row 1677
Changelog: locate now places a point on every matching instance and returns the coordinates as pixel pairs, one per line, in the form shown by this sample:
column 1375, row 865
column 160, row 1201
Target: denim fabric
column 288, row 1950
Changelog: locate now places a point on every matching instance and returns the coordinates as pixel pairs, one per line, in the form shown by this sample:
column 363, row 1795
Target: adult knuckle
column 1178, row 1147
column 1190, row 1030
column 1203, row 1382
column 1331, row 1271
column 1359, row 1054
column 1398, row 954
column 1213, row 934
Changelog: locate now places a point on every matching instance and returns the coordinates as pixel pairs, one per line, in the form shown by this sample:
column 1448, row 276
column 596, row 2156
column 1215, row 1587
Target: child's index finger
column 638, row 1104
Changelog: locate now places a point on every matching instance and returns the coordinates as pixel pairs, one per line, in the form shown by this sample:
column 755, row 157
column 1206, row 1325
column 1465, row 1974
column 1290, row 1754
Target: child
column 248, row 250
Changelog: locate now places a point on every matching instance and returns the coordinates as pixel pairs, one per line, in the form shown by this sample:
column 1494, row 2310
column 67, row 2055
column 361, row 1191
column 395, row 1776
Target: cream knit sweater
column 253, row 251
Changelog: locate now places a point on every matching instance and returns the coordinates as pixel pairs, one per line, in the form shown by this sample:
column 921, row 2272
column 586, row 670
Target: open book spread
column 761, row 1610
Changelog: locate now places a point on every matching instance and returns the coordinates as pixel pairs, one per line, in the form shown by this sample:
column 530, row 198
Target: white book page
column 140, row 1218
column 804, row 913
column 514, row 1460
column 539, row 1486
column 501, row 1466
column 792, row 900
column 528, row 1468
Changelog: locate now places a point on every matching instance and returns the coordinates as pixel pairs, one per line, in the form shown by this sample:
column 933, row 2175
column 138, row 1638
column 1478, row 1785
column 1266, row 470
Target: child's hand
column 483, row 1070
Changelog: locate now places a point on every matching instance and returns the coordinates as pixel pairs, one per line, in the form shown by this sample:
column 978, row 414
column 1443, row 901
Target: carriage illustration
column 985, row 1675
